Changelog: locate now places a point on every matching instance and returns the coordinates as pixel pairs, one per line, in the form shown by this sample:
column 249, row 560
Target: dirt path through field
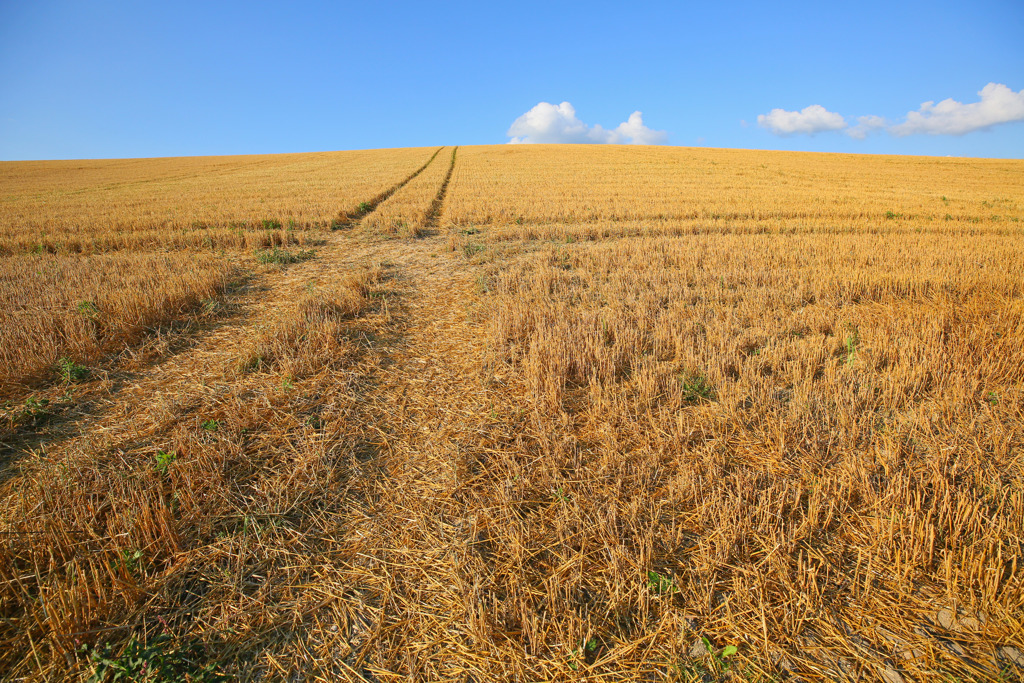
column 400, row 432
column 173, row 365
column 205, row 358
column 419, row 410
column 416, row 403
column 420, row 419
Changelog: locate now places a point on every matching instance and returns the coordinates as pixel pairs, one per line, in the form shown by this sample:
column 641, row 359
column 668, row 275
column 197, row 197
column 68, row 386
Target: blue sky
column 130, row 79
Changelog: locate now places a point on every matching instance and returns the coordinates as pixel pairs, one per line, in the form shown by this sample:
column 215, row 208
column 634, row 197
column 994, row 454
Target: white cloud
column 865, row 126
column 998, row 104
column 810, row 120
column 634, row 132
column 549, row 123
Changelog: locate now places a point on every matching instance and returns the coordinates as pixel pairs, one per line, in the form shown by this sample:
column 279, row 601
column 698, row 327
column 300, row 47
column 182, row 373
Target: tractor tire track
column 442, row 192
column 348, row 218
column 200, row 351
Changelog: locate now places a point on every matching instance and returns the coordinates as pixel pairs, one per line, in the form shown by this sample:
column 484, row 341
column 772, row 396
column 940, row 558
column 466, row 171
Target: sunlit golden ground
column 526, row 413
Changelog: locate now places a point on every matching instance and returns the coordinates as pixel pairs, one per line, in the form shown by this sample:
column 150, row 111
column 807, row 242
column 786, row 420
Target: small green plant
column 271, row 224
column 851, row 343
column 159, row 661
column 70, row 371
column 34, row 410
column 587, row 648
column 892, row 215
column 252, row 363
column 364, row 208
column 483, row 284
column 164, row 460
column 288, row 383
column 88, row 309
column 470, row 231
column 211, row 425
column 721, row 659
column 132, row 560
column 283, row 257
column 36, row 406
column 561, row 495
column 992, row 398
column 210, row 306
column 472, row 249
column 660, row 584
column 696, row 388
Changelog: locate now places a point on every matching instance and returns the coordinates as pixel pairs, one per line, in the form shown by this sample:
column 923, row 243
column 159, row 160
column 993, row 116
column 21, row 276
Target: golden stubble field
column 513, row 413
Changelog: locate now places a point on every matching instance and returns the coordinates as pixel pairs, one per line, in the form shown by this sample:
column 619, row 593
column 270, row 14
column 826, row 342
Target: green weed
column 210, row 306
column 159, row 661
column 483, row 284
column 34, row 410
column 88, row 309
column 70, row 371
column 253, row 363
column 283, row 257
column 164, row 460
column 662, row 585
column 696, row 388
column 132, row 560
column 721, row 659
column 587, row 648
column 851, row 343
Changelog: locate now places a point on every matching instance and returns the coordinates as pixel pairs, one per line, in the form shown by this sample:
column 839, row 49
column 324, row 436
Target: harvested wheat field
column 513, row 413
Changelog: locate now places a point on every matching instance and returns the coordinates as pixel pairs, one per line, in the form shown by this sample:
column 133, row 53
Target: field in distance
column 512, row 413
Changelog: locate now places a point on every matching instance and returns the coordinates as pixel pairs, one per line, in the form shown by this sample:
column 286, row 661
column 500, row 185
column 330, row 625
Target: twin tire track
column 347, row 218
column 203, row 352
column 150, row 405
column 442, row 192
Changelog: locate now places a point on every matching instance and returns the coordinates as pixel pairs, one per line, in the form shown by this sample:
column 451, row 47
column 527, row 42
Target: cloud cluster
column 866, row 125
column 548, row 123
column 999, row 104
column 809, row 120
